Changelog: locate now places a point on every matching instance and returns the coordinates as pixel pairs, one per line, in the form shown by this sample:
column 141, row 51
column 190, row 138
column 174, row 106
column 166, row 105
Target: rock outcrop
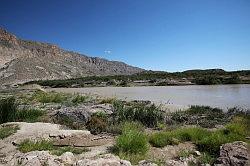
column 233, row 154
column 22, row 61
column 82, row 113
column 108, row 160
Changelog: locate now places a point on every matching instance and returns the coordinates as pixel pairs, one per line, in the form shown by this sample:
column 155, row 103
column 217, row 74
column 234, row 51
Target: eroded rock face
column 23, row 61
column 42, row 158
column 107, row 160
column 233, row 154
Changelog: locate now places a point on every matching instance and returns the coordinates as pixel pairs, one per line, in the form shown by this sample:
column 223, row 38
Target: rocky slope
column 22, row 61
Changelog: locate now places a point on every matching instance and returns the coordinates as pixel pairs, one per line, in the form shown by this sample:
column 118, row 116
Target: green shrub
column 8, row 109
column 97, row 124
column 29, row 115
column 49, row 97
column 205, row 140
column 203, row 116
column 80, row 99
column 206, row 158
column 193, row 134
column 195, row 109
column 7, row 130
column 131, row 141
column 68, row 122
column 161, row 139
column 107, row 100
column 149, row 116
column 127, row 126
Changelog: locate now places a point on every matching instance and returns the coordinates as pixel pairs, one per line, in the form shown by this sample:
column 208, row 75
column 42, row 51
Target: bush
column 29, row 115
column 149, row 116
column 50, row 97
column 193, row 134
column 211, row 143
column 205, row 140
column 131, row 141
column 68, row 122
column 203, row 116
column 206, row 158
column 8, row 109
column 8, row 130
column 97, row 124
column 80, row 99
column 161, row 139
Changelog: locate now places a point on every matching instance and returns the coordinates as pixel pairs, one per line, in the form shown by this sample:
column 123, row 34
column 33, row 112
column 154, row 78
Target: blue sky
column 169, row 35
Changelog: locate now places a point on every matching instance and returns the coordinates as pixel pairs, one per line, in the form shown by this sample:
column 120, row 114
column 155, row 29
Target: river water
column 222, row 96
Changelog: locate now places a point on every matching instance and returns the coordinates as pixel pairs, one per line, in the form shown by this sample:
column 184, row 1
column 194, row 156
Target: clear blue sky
column 170, row 35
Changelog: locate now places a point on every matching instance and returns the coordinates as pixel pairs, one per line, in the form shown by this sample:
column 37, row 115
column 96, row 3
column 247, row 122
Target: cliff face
column 22, row 61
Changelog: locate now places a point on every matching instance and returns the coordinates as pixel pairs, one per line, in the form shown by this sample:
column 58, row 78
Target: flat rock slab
column 38, row 130
column 80, row 140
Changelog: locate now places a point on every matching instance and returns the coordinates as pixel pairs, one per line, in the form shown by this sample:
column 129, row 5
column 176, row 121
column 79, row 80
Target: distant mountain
column 22, row 61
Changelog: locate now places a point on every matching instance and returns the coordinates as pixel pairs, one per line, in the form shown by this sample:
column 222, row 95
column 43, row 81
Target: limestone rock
column 107, row 160
column 36, row 158
column 146, row 163
column 67, row 158
column 233, row 154
column 82, row 113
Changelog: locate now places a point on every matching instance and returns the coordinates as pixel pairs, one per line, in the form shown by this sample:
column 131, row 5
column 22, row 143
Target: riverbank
column 83, row 129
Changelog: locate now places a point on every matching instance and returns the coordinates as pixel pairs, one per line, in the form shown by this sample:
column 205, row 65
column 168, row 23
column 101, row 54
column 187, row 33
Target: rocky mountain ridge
column 23, row 60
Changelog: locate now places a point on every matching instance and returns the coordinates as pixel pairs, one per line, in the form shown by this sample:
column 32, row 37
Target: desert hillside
column 23, row 60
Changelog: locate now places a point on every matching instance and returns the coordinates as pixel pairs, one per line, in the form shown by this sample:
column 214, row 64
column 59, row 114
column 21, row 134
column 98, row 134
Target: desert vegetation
column 136, row 126
column 200, row 77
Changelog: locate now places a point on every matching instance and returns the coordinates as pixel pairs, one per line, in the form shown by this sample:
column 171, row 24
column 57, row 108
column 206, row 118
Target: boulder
column 36, row 158
column 82, row 113
column 67, row 158
column 233, row 154
column 77, row 114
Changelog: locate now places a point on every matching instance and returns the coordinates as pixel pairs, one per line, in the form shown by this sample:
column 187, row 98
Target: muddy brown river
column 222, row 96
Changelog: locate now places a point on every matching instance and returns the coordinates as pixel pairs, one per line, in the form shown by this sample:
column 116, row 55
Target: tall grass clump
column 8, row 109
column 49, row 97
column 147, row 115
column 132, row 144
column 161, row 139
column 80, row 99
column 29, row 115
column 203, row 116
column 193, row 134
